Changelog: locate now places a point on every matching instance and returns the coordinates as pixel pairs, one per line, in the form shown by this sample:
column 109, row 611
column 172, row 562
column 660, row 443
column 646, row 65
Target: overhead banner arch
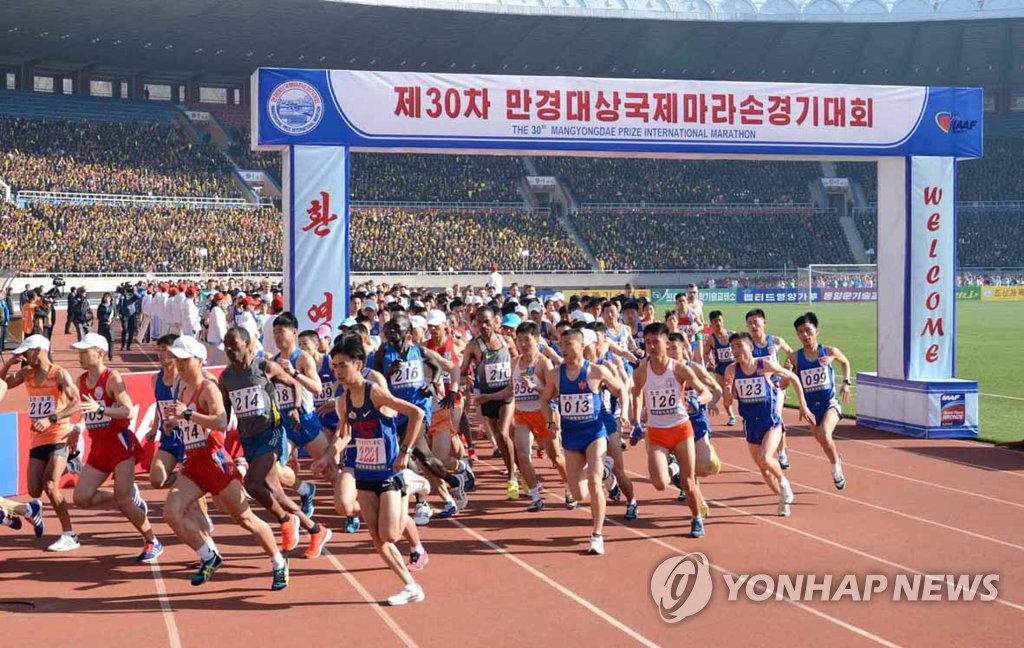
column 916, row 134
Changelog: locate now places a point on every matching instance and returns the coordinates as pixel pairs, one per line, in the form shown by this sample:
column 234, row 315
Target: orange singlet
column 43, row 400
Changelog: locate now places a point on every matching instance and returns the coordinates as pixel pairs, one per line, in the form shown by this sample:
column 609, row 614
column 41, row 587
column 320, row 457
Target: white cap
column 436, row 318
column 92, row 341
column 577, row 315
column 188, row 347
column 588, row 318
column 589, row 337
column 34, row 342
column 521, row 310
column 372, row 305
column 558, row 296
column 418, row 322
column 536, row 307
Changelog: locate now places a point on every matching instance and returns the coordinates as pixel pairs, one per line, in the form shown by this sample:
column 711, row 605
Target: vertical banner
column 316, row 241
column 931, row 298
column 893, row 247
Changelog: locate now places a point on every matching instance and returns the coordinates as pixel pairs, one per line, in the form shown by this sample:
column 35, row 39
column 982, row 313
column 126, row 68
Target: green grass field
column 989, row 346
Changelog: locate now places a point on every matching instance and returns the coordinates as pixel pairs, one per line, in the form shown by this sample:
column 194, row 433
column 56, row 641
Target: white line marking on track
column 608, row 520
column 173, row 638
column 831, row 543
column 558, row 586
column 1015, row 398
column 374, row 603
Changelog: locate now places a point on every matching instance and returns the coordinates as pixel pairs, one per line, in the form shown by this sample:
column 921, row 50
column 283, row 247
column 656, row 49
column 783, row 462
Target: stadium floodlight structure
column 914, row 134
column 823, row 282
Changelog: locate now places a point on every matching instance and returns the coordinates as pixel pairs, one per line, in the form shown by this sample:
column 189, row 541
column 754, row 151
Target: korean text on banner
column 1002, row 293
column 931, row 297
column 318, row 266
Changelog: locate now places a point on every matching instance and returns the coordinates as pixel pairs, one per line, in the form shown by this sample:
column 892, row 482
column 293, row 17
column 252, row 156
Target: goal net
column 840, row 283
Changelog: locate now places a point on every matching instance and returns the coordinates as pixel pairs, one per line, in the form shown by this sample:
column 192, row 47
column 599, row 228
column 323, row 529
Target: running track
column 510, row 578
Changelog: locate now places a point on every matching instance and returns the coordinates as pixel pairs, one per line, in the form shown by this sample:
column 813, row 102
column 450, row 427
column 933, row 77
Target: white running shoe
column 409, row 594
column 783, row 509
column 423, row 514
column 596, row 545
column 787, row 492
column 66, row 542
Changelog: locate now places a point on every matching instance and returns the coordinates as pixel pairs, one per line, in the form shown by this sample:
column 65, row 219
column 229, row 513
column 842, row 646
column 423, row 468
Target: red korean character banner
column 316, row 234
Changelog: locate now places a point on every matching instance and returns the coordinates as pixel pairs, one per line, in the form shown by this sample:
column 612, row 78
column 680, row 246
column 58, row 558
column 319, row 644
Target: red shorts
column 669, row 438
column 108, row 450
column 233, row 444
column 212, row 472
column 534, row 422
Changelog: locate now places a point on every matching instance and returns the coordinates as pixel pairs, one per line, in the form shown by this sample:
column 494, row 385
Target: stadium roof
column 223, row 41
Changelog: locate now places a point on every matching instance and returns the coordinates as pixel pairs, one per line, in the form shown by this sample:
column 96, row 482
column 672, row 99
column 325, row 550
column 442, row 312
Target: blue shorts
column 330, row 420
column 720, row 369
column 273, row 440
column 348, row 456
column 611, row 424
column 580, row 441
column 171, row 444
column 309, row 429
column 756, row 430
column 700, row 428
column 821, row 408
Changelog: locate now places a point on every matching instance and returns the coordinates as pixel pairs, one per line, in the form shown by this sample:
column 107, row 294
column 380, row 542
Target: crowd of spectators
column 112, row 158
column 639, row 240
column 444, row 240
column 103, row 238
column 611, row 180
column 246, row 158
column 436, row 178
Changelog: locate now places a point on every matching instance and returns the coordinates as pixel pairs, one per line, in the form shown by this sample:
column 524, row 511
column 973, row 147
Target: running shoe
column 697, row 528
column 681, row 497
column 417, row 561
column 513, row 489
column 535, row 505
column 138, row 501
column 66, row 542
column 615, row 494
column 410, row 594
column 449, row 510
column 151, row 551
column 783, row 459
column 596, row 546
column 290, row 533
column 317, row 542
column 35, row 516
column 705, row 510
column 280, row 577
column 12, row 521
column 352, row 524
column 783, row 509
column 838, row 478
column 206, row 569
column 308, row 507
column 732, row 421
column 570, row 503
column 423, row 514
column 786, row 494
column 631, row 510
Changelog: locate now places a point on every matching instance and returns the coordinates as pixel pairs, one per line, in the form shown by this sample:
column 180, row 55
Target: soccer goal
column 840, row 283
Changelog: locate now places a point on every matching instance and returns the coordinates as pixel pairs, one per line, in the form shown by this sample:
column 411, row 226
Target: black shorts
column 44, row 452
column 492, row 409
column 396, row 483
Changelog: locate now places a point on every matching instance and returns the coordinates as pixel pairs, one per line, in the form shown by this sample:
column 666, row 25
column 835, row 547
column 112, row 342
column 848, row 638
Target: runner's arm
column 773, row 368
column 123, row 409
column 728, row 378
column 383, row 398
column 212, row 400
column 844, row 362
column 307, row 375
column 686, row 375
column 70, row 389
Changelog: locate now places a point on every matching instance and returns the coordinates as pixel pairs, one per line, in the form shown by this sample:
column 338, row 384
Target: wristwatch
column 53, row 418
column 187, row 415
column 407, row 451
column 846, row 381
column 101, row 410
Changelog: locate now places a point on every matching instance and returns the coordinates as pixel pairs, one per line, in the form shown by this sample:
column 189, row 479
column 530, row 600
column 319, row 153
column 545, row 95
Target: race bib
column 370, row 454
column 326, row 394
column 724, row 354
column 751, row 390
column 193, row 435
column 498, row 373
column 410, row 374
column 40, row 407
column 815, row 379
column 285, row 396
column 95, row 420
column 522, row 391
column 662, row 402
column 577, row 407
column 250, row 401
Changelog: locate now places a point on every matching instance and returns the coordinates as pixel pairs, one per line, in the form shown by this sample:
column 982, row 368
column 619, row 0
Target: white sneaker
column 409, row 594
column 787, row 492
column 596, row 545
column 423, row 514
column 66, row 542
column 783, row 509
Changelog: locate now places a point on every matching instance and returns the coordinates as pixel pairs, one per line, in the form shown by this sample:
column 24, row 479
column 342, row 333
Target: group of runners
column 382, row 411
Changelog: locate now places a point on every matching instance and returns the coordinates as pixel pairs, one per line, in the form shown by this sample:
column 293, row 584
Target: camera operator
column 44, row 317
column 128, row 301
column 81, row 316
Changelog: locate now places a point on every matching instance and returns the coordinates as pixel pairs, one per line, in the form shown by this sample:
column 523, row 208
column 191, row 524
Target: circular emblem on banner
column 295, row 107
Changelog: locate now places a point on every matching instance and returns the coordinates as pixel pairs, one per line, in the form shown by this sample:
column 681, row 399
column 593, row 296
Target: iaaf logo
column 682, row 585
column 948, row 122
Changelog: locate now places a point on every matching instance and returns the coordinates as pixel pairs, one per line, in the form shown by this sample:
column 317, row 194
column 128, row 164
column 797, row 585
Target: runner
column 576, row 386
column 615, row 408
column 249, row 390
column 661, row 379
column 718, row 350
column 107, row 411
column 490, row 354
column 445, row 440
column 817, row 377
column 692, row 316
column 768, row 346
column 10, row 510
column 371, row 412
column 200, row 415
column 323, row 403
column 750, row 380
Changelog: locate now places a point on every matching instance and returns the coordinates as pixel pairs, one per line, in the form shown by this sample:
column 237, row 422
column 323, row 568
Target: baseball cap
column 589, row 337
column 324, row 330
column 418, row 322
column 558, row 296
column 188, row 347
column 34, row 342
column 348, row 322
column 521, row 311
column 535, row 307
column 436, row 318
column 511, row 320
column 92, row 341
column 372, row 305
column 577, row 315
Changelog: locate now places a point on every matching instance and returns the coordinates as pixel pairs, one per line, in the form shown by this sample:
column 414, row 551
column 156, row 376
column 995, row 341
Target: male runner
column 717, row 350
column 768, row 346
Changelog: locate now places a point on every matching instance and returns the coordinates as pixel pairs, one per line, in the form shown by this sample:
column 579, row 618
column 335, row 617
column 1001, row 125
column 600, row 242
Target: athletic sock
column 419, row 549
column 303, row 488
column 206, row 553
column 278, row 560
